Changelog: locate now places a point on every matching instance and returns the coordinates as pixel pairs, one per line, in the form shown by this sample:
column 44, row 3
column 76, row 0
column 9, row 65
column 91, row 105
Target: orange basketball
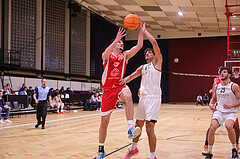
column 131, row 21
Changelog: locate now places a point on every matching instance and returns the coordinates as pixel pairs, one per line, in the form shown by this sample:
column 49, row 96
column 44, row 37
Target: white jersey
column 225, row 95
column 151, row 81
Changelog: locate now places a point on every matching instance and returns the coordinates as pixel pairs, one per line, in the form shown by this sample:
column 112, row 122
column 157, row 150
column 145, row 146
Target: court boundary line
column 77, row 117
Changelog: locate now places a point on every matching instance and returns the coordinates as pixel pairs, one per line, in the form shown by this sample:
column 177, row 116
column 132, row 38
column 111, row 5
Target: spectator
column 11, row 90
column 62, row 95
column 22, row 88
column 8, row 89
column 23, row 92
column 4, row 90
column 206, row 99
column 4, row 107
column 52, row 93
column 30, row 93
column 55, row 92
column 95, row 100
column 58, row 103
column 199, row 100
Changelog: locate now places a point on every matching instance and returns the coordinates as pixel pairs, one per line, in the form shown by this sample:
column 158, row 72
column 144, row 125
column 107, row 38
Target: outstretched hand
column 120, row 34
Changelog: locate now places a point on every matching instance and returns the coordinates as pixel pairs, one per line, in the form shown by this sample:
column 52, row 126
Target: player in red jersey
column 115, row 62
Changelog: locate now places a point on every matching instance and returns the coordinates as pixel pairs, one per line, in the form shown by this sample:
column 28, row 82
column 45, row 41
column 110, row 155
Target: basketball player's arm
column 109, row 49
column 236, row 91
column 129, row 78
column 213, row 101
column 130, row 53
column 156, row 48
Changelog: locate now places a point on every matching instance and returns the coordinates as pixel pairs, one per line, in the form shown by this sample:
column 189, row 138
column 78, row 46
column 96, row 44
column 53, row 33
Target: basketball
column 131, row 21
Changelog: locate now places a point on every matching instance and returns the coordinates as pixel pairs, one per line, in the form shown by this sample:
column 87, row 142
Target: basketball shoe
column 234, row 153
column 205, row 150
column 209, row 155
column 131, row 153
column 101, row 155
column 133, row 132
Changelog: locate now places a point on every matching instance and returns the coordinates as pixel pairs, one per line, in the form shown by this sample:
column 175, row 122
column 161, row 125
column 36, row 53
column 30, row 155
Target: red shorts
column 237, row 120
column 109, row 99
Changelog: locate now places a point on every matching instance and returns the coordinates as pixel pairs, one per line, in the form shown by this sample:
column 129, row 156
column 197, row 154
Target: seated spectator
column 23, row 92
column 62, row 95
column 8, row 89
column 22, row 88
column 55, row 93
column 95, row 100
column 58, row 103
column 30, row 93
column 199, row 100
column 206, row 99
column 4, row 107
column 4, row 90
column 11, row 90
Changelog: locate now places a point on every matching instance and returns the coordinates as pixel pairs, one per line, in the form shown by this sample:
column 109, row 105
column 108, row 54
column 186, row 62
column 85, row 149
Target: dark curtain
column 102, row 32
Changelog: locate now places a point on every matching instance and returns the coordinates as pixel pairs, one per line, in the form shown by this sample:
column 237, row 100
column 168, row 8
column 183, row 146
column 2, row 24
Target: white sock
column 101, row 144
column 210, row 148
column 152, row 155
column 134, row 146
column 130, row 124
column 234, row 146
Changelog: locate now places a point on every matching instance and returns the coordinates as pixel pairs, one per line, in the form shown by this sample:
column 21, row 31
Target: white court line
column 15, row 126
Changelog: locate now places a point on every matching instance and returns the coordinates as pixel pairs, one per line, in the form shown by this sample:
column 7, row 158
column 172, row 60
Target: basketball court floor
column 180, row 134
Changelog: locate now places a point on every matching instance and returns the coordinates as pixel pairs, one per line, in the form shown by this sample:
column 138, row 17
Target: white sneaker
column 8, row 121
column 2, row 122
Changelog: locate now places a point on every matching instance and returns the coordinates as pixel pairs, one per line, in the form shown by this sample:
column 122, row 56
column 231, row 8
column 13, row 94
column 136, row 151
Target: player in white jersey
column 150, row 96
column 227, row 96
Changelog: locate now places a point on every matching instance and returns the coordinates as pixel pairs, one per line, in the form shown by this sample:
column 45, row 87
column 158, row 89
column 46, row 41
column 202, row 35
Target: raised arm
column 134, row 75
column 120, row 34
column 130, row 53
column 156, row 49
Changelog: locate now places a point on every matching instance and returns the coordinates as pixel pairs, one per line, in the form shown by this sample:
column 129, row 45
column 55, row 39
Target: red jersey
column 217, row 80
column 114, row 69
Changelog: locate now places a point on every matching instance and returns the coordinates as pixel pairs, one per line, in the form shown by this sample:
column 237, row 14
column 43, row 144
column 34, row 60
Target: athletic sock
column 237, row 142
column 134, row 146
column 101, row 147
column 130, row 124
column 151, row 154
column 210, row 148
column 234, row 146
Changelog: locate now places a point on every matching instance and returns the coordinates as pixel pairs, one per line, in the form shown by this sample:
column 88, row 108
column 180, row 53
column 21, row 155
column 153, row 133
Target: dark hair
column 1, row 90
column 148, row 49
column 30, row 86
column 7, row 84
column 226, row 68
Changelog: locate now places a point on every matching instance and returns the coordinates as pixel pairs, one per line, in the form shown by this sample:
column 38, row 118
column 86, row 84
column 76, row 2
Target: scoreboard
column 235, row 54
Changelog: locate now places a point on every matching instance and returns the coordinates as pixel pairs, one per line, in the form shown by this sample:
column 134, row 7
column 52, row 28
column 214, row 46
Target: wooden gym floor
column 180, row 134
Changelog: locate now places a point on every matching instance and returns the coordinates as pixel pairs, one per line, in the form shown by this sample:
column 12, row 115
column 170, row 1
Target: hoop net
column 234, row 66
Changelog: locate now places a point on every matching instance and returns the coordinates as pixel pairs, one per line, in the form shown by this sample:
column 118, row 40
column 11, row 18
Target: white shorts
column 148, row 109
column 223, row 117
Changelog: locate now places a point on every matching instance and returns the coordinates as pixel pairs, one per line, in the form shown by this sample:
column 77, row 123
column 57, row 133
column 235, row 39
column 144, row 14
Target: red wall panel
column 197, row 56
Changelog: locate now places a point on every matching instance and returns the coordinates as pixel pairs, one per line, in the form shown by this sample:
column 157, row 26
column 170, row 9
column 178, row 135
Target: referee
column 42, row 93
